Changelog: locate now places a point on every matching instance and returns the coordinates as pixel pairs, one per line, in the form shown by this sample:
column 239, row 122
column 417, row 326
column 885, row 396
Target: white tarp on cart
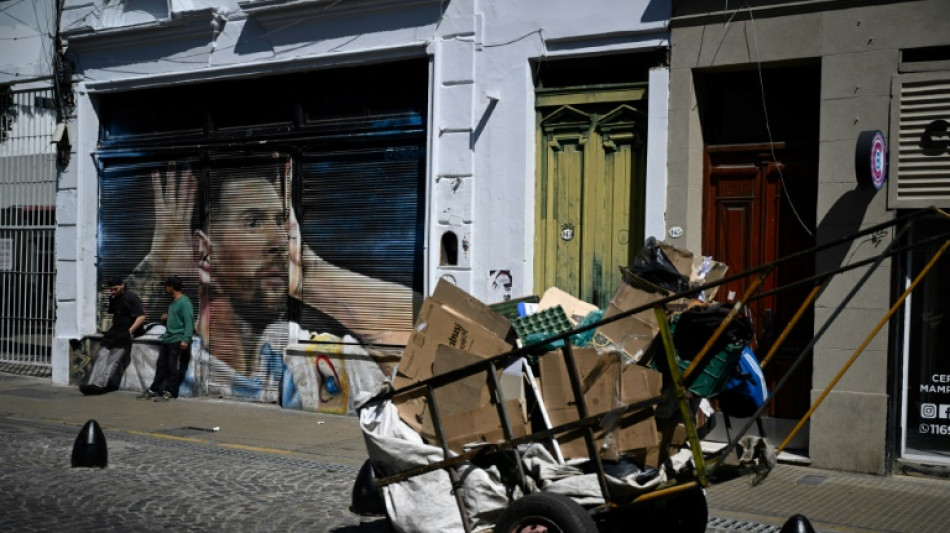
column 427, row 503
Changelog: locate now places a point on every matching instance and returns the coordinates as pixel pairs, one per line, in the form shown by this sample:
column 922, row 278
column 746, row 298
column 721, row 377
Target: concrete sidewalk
column 249, row 425
column 832, row 501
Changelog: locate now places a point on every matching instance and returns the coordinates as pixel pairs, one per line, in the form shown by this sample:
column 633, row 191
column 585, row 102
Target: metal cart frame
column 703, row 468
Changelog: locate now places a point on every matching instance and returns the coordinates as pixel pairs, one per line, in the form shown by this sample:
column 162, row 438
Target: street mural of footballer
column 230, row 230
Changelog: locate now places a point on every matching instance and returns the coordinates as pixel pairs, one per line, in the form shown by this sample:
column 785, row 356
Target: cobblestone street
column 162, row 484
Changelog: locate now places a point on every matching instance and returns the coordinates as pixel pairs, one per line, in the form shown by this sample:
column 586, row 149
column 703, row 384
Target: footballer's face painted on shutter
column 250, row 245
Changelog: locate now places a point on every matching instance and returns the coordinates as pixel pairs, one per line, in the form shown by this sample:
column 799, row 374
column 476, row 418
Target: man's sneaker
column 164, row 397
column 147, row 395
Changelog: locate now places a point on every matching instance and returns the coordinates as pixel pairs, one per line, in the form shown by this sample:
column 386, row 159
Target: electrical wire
column 768, row 127
column 302, row 19
column 34, row 36
column 539, row 31
column 13, row 4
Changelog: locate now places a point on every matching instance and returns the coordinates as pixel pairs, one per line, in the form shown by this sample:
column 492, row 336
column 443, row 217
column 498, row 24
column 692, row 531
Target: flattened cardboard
column 688, row 264
column 412, row 410
column 576, row 309
column 437, row 325
column 672, row 437
column 606, row 382
column 716, row 273
column 632, row 334
column 477, row 425
column 462, row 395
column 682, row 259
column 472, row 308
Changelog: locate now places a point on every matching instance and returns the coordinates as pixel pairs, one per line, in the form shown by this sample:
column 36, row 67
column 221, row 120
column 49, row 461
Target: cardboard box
column 477, row 425
column 412, row 410
column 442, row 325
column 454, row 318
column 472, row 308
column 463, row 395
column 672, row 437
column 689, row 265
column 631, row 335
column 575, row 308
column 606, row 383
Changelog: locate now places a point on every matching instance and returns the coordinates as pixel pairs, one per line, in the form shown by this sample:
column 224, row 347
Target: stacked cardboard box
column 607, row 382
column 454, row 330
column 633, row 334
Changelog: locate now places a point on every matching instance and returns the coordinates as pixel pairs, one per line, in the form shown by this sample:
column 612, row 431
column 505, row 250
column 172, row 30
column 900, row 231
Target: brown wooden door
column 749, row 221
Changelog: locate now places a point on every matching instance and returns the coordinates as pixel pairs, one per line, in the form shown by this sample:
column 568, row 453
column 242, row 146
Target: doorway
column 591, row 184
column 760, row 184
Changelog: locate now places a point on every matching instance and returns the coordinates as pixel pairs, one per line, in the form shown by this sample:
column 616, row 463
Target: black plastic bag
column 652, row 265
column 697, row 325
column 690, row 331
column 366, row 498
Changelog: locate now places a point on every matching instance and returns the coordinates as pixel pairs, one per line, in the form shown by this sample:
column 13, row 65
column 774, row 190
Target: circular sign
column 567, row 231
column 871, row 159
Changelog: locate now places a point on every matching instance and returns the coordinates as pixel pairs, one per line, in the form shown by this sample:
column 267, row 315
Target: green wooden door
column 590, row 194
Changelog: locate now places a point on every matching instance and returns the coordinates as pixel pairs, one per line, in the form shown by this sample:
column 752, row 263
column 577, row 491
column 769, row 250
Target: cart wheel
column 687, row 513
column 544, row 512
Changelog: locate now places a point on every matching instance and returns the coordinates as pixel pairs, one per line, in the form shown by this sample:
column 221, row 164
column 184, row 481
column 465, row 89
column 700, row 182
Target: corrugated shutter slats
column 362, row 212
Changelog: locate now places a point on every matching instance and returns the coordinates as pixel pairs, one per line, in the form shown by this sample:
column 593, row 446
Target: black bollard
column 90, row 446
column 797, row 524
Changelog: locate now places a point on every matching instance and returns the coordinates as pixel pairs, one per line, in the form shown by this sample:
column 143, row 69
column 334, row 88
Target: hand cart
column 680, row 505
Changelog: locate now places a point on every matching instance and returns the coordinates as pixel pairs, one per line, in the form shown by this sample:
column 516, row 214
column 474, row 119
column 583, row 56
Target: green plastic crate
column 547, row 323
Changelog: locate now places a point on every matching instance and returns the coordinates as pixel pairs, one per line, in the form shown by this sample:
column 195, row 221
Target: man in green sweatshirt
column 176, row 343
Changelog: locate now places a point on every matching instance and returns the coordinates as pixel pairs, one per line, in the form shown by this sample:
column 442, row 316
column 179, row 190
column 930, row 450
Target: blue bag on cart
column 747, row 390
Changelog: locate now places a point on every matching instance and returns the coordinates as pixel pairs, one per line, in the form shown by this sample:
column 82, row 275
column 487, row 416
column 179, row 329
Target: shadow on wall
column 657, row 10
column 844, row 218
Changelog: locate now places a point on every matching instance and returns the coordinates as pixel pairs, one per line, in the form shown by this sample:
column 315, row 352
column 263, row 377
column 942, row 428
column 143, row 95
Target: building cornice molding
column 773, row 10
column 185, row 25
column 257, row 69
column 276, row 13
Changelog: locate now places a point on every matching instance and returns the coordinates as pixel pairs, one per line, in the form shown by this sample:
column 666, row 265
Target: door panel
column 590, row 197
column 567, row 162
column 748, row 224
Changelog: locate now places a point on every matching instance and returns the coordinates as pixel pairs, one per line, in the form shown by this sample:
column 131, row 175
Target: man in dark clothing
column 113, row 357
column 127, row 313
column 176, row 343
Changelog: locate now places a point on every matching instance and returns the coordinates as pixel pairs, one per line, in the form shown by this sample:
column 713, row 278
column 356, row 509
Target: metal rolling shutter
column 135, row 220
column 248, row 201
column 921, row 173
column 363, row 211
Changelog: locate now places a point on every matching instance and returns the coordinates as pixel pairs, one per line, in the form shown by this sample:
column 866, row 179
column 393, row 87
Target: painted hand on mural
column 172, row 251
column 295, row 257
column 174, row 192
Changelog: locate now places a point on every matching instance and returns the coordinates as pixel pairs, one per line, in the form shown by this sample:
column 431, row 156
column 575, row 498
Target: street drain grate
column 812, row 480
column 725, row 524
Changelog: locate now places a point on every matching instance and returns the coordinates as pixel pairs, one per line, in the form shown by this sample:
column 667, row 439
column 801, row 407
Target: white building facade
column 30, row 106
column 404, row 142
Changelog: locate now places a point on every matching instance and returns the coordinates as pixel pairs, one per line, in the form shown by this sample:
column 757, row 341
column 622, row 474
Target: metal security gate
column 27, row 229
